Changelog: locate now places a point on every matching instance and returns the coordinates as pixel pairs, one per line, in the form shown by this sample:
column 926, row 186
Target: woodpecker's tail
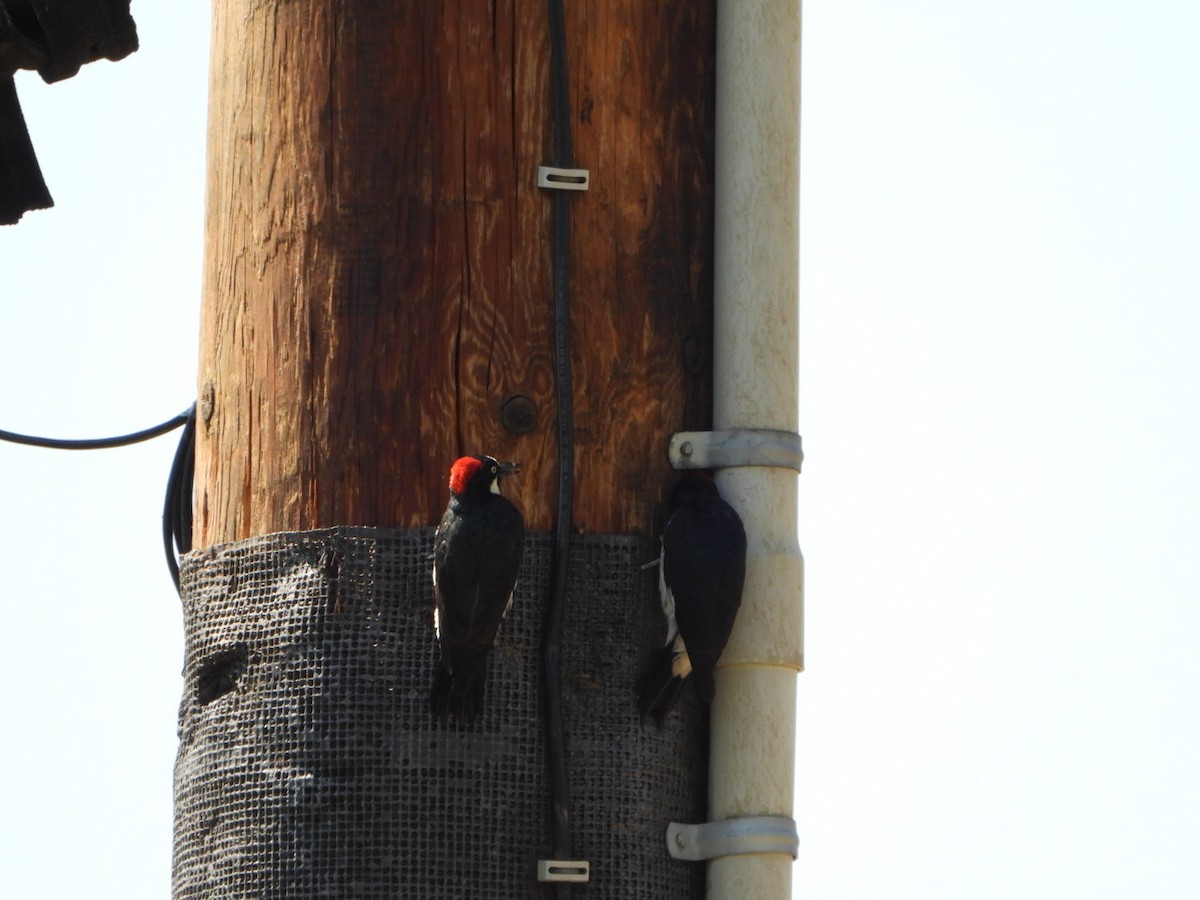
column 458, row 695
column 660, row 687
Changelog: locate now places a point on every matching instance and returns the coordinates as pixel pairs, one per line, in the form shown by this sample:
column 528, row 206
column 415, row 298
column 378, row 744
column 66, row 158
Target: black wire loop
column 124, row 440
column 177, row 508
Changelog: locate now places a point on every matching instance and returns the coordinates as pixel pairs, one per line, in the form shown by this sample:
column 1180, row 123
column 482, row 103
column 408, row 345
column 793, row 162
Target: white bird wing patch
column 668, row 601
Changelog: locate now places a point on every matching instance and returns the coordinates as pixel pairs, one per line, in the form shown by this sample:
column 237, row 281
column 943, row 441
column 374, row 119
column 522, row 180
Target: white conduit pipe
column 756, row 278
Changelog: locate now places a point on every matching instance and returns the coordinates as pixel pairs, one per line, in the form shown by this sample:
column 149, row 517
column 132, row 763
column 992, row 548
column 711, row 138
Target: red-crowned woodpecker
column 476, row 554
column 700, row 574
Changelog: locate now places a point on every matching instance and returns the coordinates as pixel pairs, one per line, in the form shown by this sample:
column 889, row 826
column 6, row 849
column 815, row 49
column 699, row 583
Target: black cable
column 556, row 756
column 177, row 507
column 96, row 443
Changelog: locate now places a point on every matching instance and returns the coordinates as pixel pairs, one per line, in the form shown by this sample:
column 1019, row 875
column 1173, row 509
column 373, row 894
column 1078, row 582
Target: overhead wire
column 124, row 440
column 177, row 507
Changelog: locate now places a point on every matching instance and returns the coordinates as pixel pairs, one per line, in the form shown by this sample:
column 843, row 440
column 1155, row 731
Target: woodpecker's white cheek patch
column 495, row 488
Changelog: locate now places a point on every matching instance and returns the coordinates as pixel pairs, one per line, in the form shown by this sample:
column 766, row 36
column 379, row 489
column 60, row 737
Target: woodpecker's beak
column 509, row 468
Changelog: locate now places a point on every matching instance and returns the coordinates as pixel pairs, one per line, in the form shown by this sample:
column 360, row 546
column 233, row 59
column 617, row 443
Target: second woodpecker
column 477, row 552
column 701, row 571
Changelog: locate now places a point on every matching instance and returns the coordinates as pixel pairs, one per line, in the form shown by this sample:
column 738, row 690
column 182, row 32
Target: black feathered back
column 703, row 571
column 708, row 587
column 477, row 553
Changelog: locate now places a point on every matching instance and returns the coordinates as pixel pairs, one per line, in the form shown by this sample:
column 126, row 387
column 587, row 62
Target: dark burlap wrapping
column 309, row 765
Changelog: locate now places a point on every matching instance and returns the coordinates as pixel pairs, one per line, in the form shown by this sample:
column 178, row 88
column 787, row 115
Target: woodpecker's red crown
column 479, row 472
column 464, row 469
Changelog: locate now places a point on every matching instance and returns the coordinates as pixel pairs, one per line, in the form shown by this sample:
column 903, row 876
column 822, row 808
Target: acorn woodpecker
column 476, row 554
column 701, row 570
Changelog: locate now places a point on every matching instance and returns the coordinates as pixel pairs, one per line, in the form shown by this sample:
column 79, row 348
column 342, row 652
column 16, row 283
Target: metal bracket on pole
column 733, row 837
column 736, row 447
column 562, row 179
column 575, row 871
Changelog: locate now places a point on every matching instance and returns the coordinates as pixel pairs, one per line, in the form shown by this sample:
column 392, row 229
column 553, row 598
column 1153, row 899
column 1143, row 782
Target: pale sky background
column 1000, row 312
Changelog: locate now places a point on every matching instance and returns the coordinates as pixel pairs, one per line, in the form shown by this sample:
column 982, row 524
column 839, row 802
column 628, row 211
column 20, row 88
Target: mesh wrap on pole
column 310, row 766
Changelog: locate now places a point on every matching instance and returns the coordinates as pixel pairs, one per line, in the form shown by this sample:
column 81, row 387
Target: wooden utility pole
column 377, row 302
column 377, row 264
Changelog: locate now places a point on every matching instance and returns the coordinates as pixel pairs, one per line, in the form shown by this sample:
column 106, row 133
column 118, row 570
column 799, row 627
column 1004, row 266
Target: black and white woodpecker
column 476, row 554
column 701, row 570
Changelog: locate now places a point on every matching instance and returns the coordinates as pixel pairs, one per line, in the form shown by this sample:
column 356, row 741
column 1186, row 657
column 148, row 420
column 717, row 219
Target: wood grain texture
column 377, row 263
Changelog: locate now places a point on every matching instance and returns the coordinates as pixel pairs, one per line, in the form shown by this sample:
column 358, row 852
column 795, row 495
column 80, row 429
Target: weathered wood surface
column 377, row 273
